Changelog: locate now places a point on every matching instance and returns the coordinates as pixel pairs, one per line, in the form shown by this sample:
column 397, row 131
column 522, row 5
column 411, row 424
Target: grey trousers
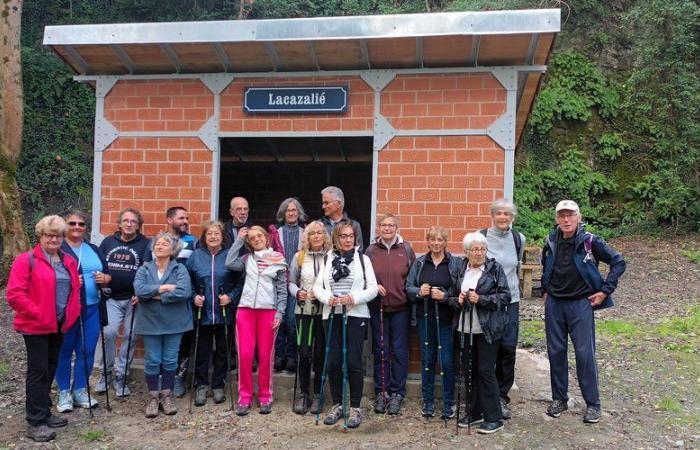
column 118, row 312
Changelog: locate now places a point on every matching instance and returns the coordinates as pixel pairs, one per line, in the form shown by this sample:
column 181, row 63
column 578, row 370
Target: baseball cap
column 568, row 205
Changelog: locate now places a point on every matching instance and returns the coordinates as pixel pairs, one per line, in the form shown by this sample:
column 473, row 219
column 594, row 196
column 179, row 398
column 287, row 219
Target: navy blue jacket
column 210, row 274
column 454, row 264
column 587, row 265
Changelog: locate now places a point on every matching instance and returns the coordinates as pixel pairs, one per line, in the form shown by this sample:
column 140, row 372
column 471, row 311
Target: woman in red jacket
column 44, row 290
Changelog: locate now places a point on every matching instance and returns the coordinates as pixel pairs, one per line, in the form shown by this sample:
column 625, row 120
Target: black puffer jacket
column 494, row 298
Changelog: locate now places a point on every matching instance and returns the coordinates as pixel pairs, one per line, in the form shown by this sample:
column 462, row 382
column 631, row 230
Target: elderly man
column 239, row 219
column 574, row 288
column 333, row 205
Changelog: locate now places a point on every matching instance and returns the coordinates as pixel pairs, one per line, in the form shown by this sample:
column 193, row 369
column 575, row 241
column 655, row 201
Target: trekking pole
column 426, row 369
column 442, row 373
column 128, row 349
column 300, row 332
column 196, row 344
column 460, row 374
column 345, row 370
column 325, row 361
column 469, row 371
column 87, row 371
column 104, row 360
column 381, row 343
column 228, row 359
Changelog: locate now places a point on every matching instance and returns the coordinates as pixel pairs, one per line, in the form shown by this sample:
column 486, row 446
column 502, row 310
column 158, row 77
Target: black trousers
column 42, row 359
column 356, row 332
column 310, row 356
column 485, row 400
column 212, row 343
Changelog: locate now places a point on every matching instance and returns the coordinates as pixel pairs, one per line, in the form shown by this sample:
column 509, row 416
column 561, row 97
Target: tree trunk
column 14, row 238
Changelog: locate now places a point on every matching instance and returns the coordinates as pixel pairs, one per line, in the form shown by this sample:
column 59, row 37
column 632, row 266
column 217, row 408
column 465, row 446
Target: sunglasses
column 80, row 224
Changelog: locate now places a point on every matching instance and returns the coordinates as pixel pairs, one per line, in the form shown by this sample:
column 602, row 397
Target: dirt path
column 637, row 375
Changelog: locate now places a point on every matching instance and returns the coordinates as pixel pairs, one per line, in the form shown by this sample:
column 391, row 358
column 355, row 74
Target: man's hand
column 166, row 288
column 597, row 298
column 134, row 300
column 462, row 296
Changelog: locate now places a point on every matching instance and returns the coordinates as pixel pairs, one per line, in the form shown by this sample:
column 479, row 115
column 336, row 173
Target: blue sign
column 296, row 99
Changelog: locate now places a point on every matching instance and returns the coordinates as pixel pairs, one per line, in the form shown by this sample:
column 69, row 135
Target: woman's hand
column 134, row 300
column 198, row 301
column 166, row 288
column 462, row 296
column 80, row 279
column 381, row 289
column 473, row 297
column 302, row 295
column 424, row 290
column 224, row 299
column 276, row 324
column 437, row 294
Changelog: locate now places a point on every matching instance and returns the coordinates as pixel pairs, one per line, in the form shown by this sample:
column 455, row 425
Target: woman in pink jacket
column 44, row 291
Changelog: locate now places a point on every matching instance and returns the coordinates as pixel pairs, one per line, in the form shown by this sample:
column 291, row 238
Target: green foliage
column 692, row 255
column 614, row 327
column 531, row 334
column 93, row 435
column 669, row 404
column 611, row 146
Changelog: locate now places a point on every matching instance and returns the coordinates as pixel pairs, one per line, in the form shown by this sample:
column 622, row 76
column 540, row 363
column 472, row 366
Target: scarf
column 341, row 263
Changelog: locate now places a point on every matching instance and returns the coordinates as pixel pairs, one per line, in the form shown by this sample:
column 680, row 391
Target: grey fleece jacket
column 502, row 249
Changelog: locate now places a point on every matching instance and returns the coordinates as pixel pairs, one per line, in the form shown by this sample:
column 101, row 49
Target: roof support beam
column 312, row 53
column 223, row 57
column 365, row 54
column 529, row 59
column 172, row 57
column 474, row 52
column 274, row 57
column 123, row 57
column 83, row 66
column 419, row 52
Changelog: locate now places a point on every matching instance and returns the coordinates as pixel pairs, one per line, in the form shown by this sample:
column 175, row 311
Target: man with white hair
column 574, row 288
column 333, row 205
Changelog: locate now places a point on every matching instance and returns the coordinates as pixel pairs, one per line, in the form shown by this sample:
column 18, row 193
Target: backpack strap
column 362, row 263
column 300, row 258
column 588, row 247
column 517, row 240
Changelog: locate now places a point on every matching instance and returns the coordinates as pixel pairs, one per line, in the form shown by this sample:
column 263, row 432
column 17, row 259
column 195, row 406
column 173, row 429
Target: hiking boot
column 266, row 408
column 380, row 403
column 200, row 397
column 316, row 405
column 279, row 364
column 56, row 422
column 80, row 398
column 464, row 422
column 505, row 411
column 301, row 405
column 556, row 408
column 355, row 418
column 490, row 427
column 65, row 402
column 428, row 408
column 291, row 365
column 40, row 433
column 103, row 382
column 219, row 395
column 242, row 410
column 152, row 407
column 448, row 412
column 121, row 389
column 166, row 402
column 592, row 415
column 179, row 388
column 334, row 415
column 394, row 405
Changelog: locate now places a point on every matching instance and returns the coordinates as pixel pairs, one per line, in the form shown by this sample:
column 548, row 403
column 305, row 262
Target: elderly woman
column 44, row 291
column 303, row 271
column 163, row 314
column 215, row 288
column 290, row 218
column 430, row 283
column 505, row 245
column 81, row 340
column 345, row 285
column 483, row 299
column 260, row 311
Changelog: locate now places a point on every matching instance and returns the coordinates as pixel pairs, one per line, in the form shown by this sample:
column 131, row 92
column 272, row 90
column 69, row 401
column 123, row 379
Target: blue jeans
column 428, row 357
column 160, row 352
column 564, row 318
column 73, row 344
column 395, row 351
column 285, row 344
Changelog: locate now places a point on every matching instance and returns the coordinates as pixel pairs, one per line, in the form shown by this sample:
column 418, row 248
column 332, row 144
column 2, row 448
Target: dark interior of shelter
column 266, row 170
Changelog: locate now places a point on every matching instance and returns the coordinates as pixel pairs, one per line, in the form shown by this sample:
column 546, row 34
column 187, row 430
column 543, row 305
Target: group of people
column 301, row 296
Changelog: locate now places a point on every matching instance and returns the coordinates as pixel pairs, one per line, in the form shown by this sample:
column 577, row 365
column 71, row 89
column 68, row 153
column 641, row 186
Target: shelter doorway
column 266, row 170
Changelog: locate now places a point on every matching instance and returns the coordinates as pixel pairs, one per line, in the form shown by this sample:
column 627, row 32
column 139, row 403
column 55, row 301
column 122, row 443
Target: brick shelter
column 436, row 104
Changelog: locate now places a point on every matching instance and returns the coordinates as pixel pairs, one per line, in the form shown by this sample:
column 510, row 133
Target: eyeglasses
column 477, row 250
column 347, row 236
column 328, row 203
column 387, row 225
column 80, row 224
column 51, row 237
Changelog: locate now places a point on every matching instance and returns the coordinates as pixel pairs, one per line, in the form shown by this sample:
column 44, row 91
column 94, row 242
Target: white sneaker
column 80, row 398
column 103, row 382
column 65, row 401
